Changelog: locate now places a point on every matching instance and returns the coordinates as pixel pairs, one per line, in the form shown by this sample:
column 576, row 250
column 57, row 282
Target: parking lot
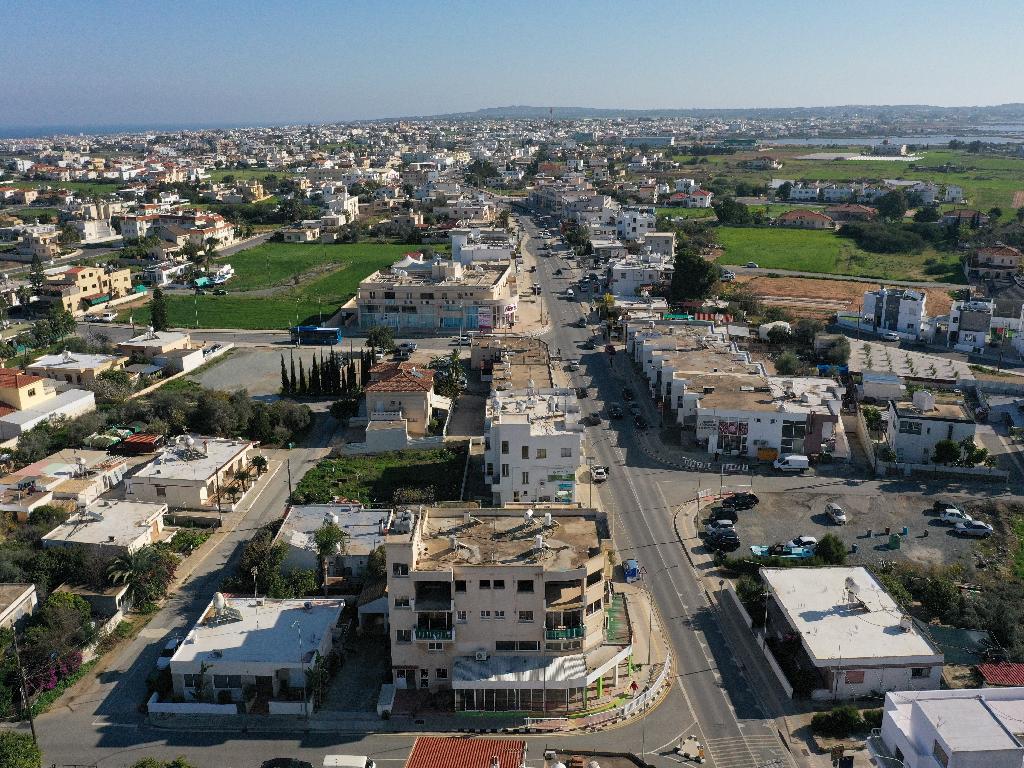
column 779, row 517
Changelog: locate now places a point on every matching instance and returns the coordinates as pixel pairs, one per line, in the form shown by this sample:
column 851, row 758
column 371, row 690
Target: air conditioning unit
column 481, row 655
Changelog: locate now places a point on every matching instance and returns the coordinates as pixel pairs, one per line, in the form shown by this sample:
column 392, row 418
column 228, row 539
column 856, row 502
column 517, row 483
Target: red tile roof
column 452, row 752
column 12, row 378
column 803, row 215
column 1002, row 674
column 400, row 377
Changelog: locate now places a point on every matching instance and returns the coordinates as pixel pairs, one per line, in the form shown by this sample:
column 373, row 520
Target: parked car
column 462, row 341
column 835, row 513
column 724, row 513
column 589, row 344
column 219, row 292
column 974, row 528
column 954, row 516
column 725, row 540
column 751, row 265
column 792, row 463
column 569, row 293
column 401, row 354
column 408, row 346
column 890, row 336
column 572, row 365
column 163, row 661
column 631, row 568
column 598, row 473
column 107, row 317
column 808, row 542
column 728, row 277
column 740, row 501
column 615, row 411
column 718, row 524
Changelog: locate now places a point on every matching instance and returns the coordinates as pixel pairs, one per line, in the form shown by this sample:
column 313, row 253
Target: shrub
column 872, row 718
column 831, row 550
column 837, row 723
column 788, row 364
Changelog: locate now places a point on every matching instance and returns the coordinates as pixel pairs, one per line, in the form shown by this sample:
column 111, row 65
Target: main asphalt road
column 710, row 697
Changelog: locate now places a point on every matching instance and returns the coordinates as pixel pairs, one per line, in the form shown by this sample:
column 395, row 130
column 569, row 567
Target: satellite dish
column 219, row 602
column 528, row 515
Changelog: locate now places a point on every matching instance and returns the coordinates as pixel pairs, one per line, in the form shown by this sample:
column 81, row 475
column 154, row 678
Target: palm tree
column 259, row 463
column 133, row 569
column 331, row 540
column 243, row 476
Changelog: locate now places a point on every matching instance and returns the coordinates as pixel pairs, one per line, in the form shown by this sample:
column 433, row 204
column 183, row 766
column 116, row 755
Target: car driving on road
column 598, row 474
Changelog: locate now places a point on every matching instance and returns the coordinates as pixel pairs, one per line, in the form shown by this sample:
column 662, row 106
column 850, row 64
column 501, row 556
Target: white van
column 348, row 761
column 792, row 463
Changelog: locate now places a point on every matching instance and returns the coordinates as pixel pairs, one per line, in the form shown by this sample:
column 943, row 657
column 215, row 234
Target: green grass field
column 28, row 214
column 246, row 173
column 824, row 252
column 87, row 187
column 327, row 276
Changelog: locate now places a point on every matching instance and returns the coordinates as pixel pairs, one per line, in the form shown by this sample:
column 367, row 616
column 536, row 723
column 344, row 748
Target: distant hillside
column 1001, row 112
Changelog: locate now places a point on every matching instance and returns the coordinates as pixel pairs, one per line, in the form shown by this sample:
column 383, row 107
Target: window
column 526, row 451
column 920, row 671
column 460, row 617
column 940, row 755
column 910, row 427
column 227, row 681
column 502, row 645
column 485, row 615
column 192, row 681
column 528, row 645
column 460, row 585
column 404, row 636
column 402, row 602
column 424, row 674
column 504, row 446
column 490, row 468
column 525, row 617
column 854, row 676
column 526, row 478
column 441, row 673
column 524, row 585
column 542, row 453
column 499, row 615
column 485, row 583
column 566, row 452
column 160, row 491
column 32, row 392
column 504, row 470
column 399, row 569
column 498, row 583
column 435, row 647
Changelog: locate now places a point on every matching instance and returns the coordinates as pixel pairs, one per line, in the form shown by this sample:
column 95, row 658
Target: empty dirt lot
column 821, row 297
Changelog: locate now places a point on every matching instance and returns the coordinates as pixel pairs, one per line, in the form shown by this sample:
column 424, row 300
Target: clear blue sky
column 109, row 62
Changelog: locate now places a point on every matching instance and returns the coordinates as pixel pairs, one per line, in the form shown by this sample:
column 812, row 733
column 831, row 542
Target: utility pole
column 26, row 703
column 289, row 466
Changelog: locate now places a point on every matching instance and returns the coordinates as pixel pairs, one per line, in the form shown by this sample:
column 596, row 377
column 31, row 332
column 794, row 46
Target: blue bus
column 313, row 334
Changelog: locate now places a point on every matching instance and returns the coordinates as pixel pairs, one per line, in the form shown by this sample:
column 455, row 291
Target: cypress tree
column 293, row 387
column 303, row 386
column 286, row 388
column 314, row 377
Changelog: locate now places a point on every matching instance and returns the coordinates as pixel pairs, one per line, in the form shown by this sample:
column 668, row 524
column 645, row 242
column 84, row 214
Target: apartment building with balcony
column 533, row 444
column 419, row 295
column 79, row 288
column 504, row 607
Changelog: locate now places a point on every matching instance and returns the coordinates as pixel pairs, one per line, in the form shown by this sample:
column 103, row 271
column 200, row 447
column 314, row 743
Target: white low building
column 852, row 635
column 267, row 644
column 915, row 426
column 629, row 275
column 960, row 728
column 366, row 529
column 111, row 526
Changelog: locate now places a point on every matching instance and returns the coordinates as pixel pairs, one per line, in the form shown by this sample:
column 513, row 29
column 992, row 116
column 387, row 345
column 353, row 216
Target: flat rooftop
column 249, row 632
column 365, row 527
column 206, row 456
column 871, row 355
column 155, row 339
column 504, row 537
column 11, row 593
column 113, row 522
column 76, row 361
column 969, row 720
column 836, row 630
column 547, row 411
column 747, row 392
column 66, row 463
column 948, row 408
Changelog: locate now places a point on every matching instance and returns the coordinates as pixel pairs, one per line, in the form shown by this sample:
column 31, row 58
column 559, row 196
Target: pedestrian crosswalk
column 748, row 751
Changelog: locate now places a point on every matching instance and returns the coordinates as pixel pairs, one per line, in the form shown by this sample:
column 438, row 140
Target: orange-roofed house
column 457, row 752
column 402, row 391
column 804, row 219
column 27, row 400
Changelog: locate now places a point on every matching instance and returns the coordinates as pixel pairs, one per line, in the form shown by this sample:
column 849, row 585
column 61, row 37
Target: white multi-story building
column 970, row 323
column 504, row 607
column 475, row 245
column 915, row 427
column 534, row 444
column 634, row 223
column 804, row 193
column 852, row 635
column 896, row 309
column 960, row 728
column 629, row 275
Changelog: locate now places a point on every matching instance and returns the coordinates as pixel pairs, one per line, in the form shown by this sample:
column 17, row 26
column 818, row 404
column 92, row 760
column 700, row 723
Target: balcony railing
column 570, row 633
column 435, row 634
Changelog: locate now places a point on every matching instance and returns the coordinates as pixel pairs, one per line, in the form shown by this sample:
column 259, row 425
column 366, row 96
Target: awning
column 556, row 672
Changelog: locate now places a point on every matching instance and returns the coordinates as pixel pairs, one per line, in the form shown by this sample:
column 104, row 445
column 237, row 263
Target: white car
column 569, row 293
column 408, row 346
column 836, row 513
column 804, row 542
column 598, row 474
column 163, row 661
column 106, row 317
column 890, row 336
column 714, row 526
column 974, row 528
column 954, row 516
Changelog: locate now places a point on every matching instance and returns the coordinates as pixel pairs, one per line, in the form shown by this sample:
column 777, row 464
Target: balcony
column 567, row 633
column 425, row 633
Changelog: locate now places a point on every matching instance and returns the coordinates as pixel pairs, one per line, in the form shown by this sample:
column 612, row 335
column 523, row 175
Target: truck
column 348, row 761
column 632, row 570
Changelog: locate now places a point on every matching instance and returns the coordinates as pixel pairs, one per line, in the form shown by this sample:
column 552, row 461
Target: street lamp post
column 254, row 572
column 305, row 704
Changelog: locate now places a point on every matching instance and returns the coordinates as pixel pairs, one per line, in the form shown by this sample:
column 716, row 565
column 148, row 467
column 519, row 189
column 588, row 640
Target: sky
column 225, row 62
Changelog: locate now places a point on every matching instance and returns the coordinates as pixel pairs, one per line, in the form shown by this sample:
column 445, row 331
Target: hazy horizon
column 231, row 63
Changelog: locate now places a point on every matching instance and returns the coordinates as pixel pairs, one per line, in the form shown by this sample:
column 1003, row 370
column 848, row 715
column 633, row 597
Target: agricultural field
column 278, row 285
column 686, row 213
column 988, row 180
column 824, row 252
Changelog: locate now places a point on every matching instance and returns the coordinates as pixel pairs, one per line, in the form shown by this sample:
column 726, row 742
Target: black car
column 740, row 501
column 724, row 513
column 219, row 292
column 640, row 421
column 615, row 411
column 589, row 345
column 627, row 393
column 725, row 539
